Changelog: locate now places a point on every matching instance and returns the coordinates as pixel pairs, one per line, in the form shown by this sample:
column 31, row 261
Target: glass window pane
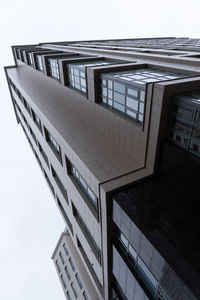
column 119, row 98
column 124, row 240
column 83, row 82
column 119, row 87
column 110, row 94
column 84, row 184
column 66, row 250
column 68, row 296
column 61, row 257
column 126, row 78
column 110, row 102
column 141, row 107
column 130, row 102
column 92, row 195
column 142, row 96
column 74, row 290
column 147, row 272
column 180, row 125
column 138, row 77
column 105, row 92
column 198, row 116
column 79, row 281
column 133, row 92
column 141, row 117
column 85, row 296
column 183, row 110
column 110, row 84
column 196, row 132
column 131, row 113
column 67, row 273
column 77, row 79
column 132, row 251
column 72, row 264
column 76, row 72
column 119, row 106
column 194, row 146
column 63, row 281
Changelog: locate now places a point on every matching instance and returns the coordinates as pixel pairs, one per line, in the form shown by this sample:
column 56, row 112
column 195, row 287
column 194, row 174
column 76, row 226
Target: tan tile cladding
column 99, row 143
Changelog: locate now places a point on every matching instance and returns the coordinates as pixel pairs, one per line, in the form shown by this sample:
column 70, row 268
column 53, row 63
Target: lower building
column 71, row 270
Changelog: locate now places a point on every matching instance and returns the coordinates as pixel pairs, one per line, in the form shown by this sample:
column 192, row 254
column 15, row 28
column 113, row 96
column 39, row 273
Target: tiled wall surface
column 73, row 193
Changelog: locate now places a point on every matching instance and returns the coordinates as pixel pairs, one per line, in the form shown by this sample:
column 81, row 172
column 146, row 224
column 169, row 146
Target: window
column 79, row 280
column 27, row 106
column 60, row 184
column 62, row 258
column 63, row 281
column 184, row 129
column 30, row 59
column 58, row 266
column 18, row 53
column 84, row 186
column 125, row 243
column 43, row 154
column 132, row 251
column 68, row 296
column 53, row 144
column 72, row 264
column 74, row 290
column 85, row 296
column 124, row 91
column 39, row 63
column 66, row 250
column 77, row 73
column 124, row 240
column 37, row 121
column 89, row 265
column 87, row 234
column 54, row 69
column 67, row 273
column 194, row 147
column 137, row 263
column 147, row 272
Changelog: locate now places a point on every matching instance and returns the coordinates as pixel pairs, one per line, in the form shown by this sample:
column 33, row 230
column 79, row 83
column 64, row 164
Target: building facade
column 115, row 127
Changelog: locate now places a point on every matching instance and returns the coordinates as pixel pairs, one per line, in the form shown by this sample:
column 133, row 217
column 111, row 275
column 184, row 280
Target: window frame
column 74, row 290
column 72, row 264
column 86, row 232
column 94, row 209
column 37, row 120
column 60, row 185
column 49, row 137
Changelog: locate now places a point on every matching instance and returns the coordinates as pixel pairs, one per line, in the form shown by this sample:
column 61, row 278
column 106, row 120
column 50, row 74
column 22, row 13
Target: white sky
column 30, row 224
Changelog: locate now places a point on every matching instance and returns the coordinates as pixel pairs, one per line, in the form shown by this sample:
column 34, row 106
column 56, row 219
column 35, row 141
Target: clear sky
column 30, row 224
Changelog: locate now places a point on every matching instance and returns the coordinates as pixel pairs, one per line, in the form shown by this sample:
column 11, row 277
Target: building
column 115, row 128
column 71, row 271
